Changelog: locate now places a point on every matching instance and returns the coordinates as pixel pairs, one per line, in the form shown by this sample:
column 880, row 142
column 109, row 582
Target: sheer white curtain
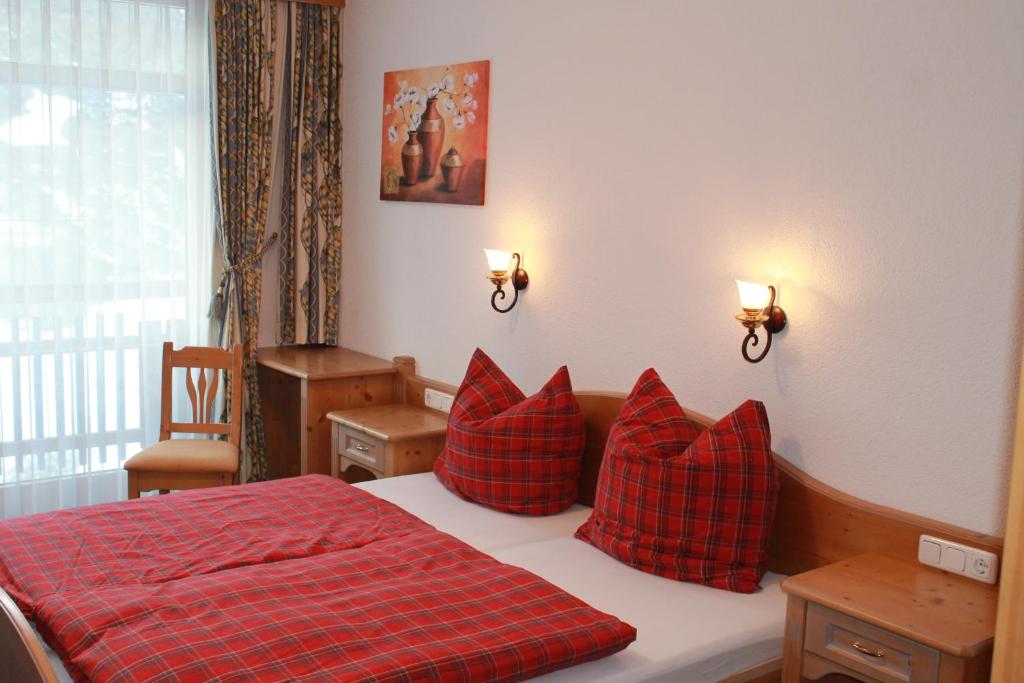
column 106, row 230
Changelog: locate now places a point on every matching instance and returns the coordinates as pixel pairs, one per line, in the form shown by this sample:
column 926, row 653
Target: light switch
column 929, row 553
column 953, row 559
column 974, row 563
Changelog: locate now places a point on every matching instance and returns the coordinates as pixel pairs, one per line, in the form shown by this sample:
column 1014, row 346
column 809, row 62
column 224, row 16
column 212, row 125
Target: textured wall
column 866, row 157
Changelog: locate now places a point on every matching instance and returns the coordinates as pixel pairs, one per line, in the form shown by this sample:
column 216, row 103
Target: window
column 105, row 233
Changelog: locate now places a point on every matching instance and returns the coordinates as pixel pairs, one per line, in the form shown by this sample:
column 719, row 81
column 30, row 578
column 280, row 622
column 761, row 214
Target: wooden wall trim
column 415, row 386
column 406, row 366
column 1008, row 656
column 815, row 524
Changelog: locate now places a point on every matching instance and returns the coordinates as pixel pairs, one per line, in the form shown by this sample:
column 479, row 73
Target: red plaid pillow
column 681, row 503
column 509, row 452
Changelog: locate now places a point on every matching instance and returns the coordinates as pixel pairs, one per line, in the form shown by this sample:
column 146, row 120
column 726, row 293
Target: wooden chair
column 192, row 463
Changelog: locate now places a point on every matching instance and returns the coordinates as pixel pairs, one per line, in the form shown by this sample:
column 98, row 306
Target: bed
column 685, row 632
column 690, row 633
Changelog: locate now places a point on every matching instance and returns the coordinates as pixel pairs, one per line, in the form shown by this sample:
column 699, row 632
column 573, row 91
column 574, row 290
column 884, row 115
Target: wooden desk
column 301, row 384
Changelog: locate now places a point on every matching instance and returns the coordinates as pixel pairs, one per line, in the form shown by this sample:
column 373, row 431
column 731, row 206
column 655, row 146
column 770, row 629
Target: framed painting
column 434, row 134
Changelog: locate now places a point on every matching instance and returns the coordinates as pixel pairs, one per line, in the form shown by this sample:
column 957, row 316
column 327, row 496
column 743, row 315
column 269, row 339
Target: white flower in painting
column 399, row 98
column 433, row 89
column 423, row 101
column 468, row 80
column 459, row 122
column 476, row 77
column 393, row 135
column 403, row 85
column 412, row 95
column 467, row 99
column 473, row 106
column 388, row 109
column 449, row 82
column 449, row 106
column 416, row 117
column 471, row 117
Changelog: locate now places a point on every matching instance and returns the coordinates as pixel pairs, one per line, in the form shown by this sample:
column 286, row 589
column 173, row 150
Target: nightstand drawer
column 362, row 448
column 874, row 652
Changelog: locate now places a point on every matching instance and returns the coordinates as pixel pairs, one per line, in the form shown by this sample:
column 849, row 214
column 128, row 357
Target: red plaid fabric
column 380, row 596
column 509, row 452
column 158, row 539
column 681, row 503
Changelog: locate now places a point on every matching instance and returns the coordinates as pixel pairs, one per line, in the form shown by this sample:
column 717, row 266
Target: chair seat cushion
column 185, row 455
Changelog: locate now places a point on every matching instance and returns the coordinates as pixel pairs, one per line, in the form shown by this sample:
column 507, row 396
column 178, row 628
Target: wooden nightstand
column 384, row 441
column 874, row 618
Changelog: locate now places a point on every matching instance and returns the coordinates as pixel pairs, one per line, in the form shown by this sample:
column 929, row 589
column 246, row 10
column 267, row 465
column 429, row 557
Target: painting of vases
column 434, row 134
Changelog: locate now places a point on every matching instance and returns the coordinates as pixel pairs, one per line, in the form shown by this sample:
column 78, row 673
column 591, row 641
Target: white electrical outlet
column 958, row 558
column 438, row 400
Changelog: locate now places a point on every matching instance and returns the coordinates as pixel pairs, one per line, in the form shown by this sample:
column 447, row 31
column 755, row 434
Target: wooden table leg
column 793, row 647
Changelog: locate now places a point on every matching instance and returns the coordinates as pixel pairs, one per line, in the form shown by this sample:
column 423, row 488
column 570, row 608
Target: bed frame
column 815, row 525
column 22, row 658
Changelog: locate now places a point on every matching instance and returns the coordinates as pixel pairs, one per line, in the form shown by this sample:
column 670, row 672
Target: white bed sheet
column 483, row 528
column 685, row 633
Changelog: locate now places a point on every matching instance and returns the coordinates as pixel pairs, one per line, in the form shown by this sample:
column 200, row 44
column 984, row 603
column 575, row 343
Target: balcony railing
column 71, row 396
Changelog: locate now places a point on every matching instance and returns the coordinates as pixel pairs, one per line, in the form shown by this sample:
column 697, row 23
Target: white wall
column 866, row 157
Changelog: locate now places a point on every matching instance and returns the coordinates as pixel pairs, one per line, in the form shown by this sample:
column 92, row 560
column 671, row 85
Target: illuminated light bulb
column 498, row 261
column 754, row 297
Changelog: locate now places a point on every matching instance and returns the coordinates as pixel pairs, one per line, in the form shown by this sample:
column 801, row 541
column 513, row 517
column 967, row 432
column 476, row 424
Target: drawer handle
column 361, row 448
column 859, row 647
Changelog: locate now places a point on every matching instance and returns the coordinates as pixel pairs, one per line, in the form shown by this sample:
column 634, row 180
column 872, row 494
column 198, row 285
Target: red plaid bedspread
column 298, row 579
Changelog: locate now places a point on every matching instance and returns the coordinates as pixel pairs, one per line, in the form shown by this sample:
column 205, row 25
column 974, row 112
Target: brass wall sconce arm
column 501, row 272
column 759, row 313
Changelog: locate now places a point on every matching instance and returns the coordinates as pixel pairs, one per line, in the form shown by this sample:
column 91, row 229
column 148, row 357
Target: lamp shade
column 498, row 261
column 753, row 296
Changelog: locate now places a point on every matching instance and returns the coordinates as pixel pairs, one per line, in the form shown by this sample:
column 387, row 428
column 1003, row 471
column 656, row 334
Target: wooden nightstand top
column 951, row 613
column 322, row 362
column 392, row 422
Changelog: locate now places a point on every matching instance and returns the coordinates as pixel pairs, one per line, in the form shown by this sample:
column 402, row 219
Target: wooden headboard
column 815, row 524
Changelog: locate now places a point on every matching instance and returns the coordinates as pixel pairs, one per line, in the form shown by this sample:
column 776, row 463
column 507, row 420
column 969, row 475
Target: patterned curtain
column 278, row 102
column 245, row 37
column 310, row 253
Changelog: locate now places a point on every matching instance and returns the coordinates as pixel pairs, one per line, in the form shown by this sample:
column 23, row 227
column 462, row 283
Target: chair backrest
column 22, row 658
column 208, row 363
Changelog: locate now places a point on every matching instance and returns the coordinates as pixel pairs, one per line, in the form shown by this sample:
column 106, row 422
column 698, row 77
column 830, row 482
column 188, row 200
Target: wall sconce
column 758, row 303
column 499, row 262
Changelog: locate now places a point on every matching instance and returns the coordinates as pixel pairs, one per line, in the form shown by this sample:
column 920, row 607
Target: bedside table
column 384, row 441
column 873, row 618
